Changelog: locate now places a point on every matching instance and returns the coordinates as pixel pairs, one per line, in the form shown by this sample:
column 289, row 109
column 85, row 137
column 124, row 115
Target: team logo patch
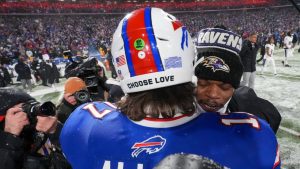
column 215, row 63
column 173, row 62
column 151, row 145
column 139, row 44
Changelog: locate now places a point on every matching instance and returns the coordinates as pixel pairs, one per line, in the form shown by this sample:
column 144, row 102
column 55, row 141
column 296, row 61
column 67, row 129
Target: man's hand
column 46, row 124
column 70, row 98
column 15, row 120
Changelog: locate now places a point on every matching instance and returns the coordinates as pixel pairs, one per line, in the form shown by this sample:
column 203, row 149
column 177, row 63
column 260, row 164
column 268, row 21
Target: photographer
column 92, row 72
column 75, row 94
column 25, row 126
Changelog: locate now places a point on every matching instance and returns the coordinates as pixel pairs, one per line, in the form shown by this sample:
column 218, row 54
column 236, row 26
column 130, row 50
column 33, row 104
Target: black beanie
column 218, row 56
column 12, row 96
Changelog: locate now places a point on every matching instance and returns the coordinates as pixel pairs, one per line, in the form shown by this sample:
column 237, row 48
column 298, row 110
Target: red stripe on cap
column 147, row 64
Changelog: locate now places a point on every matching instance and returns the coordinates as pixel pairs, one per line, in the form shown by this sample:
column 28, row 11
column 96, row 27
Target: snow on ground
column 283, row 91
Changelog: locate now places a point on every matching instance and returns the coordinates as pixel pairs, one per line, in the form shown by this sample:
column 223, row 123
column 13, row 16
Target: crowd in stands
column 52, row 34
column 125, row 6
column 267, row 21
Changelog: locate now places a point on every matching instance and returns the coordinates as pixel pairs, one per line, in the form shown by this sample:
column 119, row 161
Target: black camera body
column 89, row 74
column 33, row 108
column 35, row 139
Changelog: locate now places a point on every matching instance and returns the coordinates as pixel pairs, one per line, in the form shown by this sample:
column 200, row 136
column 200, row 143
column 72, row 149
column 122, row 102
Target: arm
column 11, row 145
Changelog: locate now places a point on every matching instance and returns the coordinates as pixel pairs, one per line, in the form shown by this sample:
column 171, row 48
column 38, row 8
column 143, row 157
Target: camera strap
column 40, row 139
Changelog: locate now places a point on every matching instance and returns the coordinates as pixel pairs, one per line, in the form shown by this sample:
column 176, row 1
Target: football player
column 153, row 54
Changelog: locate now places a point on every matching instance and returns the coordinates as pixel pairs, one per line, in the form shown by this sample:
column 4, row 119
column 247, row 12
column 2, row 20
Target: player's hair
column 163, row 101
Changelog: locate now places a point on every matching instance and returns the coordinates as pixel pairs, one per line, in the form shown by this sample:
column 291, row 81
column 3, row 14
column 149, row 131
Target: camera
column 89, row 77
column 82, row 96
column 89, row 73
column 34, row 108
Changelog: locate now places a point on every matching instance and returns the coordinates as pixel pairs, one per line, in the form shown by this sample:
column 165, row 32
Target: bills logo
column 215, row 63
column 151, row 145
column 184, row 39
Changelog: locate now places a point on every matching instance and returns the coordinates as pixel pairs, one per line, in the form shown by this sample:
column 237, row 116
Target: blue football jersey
column 97, row 136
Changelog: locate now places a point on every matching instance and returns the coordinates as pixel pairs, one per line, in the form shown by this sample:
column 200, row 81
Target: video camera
column 88, row 72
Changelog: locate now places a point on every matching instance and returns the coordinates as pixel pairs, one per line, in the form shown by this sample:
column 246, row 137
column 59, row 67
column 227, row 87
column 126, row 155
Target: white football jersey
column 269, row 49
column 288, row 42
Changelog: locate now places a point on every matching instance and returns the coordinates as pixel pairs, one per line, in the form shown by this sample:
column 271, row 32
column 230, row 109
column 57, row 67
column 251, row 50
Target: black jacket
column 23, row 70
column 11, row 151
column 248, row 56
column 54, row 74
column 45, row 69
column 64, row 110
column 14, row 155
column 245, row 99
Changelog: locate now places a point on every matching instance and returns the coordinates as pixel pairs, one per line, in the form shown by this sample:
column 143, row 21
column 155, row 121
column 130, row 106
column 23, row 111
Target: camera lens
column 91, row 81
column 47, row 109
column 82, row 96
